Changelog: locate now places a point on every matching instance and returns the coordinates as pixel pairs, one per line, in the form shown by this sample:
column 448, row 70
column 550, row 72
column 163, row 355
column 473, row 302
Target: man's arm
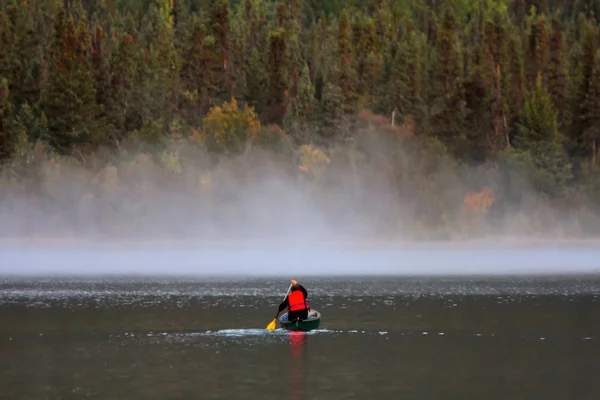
column 303, row 290
column 283, row 305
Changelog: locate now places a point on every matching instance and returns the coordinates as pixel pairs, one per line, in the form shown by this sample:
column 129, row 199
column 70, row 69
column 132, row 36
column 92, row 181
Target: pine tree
column 578, row 144
column 256, row 79
column 447, row 109
column 496, row 72
column 516, row 82
column 591, row 111
column 100, row 66
column 300, row 115
column 221, row 62
column 161, row 71
column 556, row 70
column 6, row 42
column 69, row 100
column 20, row 57
column 295, row 46
column 122, row 106
column 196, row 73
column 347, row 78
column 33, row 126
column 537, row 53
column 540, row 141
column 408, row 76
column 6, row 139
column 386, row 87
column 276, row 77
column 479, row 94
column 448, row 59
column 368, row 58
column 519, row 10
column 331, row 115
column 537, row 120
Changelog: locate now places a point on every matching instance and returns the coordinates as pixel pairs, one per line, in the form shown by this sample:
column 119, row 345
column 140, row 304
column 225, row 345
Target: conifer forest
column 411, row 119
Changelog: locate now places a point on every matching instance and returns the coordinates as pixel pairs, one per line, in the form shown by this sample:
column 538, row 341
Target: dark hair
column 295, row 287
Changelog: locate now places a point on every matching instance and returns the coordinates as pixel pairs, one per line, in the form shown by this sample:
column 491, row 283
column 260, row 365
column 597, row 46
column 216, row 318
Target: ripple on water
column 262, row 334
column 240, row 333
column 181, row 293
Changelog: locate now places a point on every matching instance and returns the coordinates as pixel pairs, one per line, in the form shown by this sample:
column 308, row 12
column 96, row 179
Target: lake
column 380, row 338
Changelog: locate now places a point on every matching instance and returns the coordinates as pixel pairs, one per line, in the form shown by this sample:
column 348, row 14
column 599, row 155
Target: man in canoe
column 295, row 302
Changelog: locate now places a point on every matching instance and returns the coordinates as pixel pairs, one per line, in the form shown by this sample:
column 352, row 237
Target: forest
column 411, row 119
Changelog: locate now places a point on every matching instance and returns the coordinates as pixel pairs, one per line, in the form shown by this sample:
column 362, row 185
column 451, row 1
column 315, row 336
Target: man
column 295, row 302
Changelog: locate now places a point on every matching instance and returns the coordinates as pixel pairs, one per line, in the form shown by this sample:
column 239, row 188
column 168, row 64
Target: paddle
column 273, row 323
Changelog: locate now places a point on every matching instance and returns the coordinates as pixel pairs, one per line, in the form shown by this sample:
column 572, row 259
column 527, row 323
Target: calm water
column 384, row 338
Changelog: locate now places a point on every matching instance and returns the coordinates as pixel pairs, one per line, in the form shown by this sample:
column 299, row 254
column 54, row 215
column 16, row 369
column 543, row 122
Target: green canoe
column 312, row 322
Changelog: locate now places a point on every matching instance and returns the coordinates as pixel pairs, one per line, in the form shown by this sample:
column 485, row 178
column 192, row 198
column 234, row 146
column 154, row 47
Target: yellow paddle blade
column 272, row 325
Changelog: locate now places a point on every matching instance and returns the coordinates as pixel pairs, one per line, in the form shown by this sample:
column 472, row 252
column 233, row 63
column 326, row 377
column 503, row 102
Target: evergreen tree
column 221, row 62
column 35, row 128
column 69, row 99
column 479, row 97
column 578, row 145
column 496, row 78
column 256, row 81
column 331, row 115
column 556, row 71
column 300, row 115
column 161, row 70
column 6, row 43
column 347, row 80
column 100, row 67
column 537, row 48
column 276, row 77
column 196, row 73
column 123, row 107
column 6, row 139
column 516, row 81
column 21, row 59
column 539, row 140
column 408, row 76
column 447, row 107
column 591, row 112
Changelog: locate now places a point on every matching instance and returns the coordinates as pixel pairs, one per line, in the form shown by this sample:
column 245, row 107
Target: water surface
column 409, row 338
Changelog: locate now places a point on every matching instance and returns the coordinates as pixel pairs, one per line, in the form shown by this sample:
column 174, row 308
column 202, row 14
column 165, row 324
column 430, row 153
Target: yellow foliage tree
column 227, row 128
column 312, row 160
column 475, row 204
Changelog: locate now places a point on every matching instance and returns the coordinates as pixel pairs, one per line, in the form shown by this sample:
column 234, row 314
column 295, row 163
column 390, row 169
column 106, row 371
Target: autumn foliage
column 312, row 160
column 227, row 129
column 477, row 203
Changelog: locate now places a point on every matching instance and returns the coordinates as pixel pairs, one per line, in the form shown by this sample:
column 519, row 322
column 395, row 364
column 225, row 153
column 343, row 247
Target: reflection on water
column 297, row 342
column 379, row 338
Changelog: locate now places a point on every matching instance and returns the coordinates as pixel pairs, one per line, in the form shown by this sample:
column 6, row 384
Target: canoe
column 312, row 322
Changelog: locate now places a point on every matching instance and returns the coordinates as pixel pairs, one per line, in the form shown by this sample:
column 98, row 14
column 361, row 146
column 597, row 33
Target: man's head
column 295, row 287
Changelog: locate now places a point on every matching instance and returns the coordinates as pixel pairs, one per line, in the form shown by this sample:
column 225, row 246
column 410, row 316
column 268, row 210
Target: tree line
column 505, row 94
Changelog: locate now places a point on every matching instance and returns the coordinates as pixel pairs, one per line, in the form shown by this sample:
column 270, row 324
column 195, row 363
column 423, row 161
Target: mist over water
column 256, row 215
column 297, row 259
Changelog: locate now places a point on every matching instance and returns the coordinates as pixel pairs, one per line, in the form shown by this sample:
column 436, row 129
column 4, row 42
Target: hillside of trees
column 416, row 119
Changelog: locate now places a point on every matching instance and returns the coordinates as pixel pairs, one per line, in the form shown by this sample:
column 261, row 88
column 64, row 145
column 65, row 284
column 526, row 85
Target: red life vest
column 297, row 301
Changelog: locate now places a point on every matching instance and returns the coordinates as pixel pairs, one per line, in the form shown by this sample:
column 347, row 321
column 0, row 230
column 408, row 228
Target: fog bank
column 299, row 259
column 392, row 206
